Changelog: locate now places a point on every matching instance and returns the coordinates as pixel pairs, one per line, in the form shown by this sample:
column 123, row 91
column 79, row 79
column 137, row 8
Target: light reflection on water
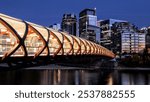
column 49, row 76
column 135, row 78
column 62, row 75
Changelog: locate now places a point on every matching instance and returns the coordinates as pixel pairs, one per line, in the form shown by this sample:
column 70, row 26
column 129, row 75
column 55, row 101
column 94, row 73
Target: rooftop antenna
column 95, row 10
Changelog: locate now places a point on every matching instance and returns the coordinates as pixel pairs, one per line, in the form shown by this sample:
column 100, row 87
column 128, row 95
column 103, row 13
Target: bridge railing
column 24, row 39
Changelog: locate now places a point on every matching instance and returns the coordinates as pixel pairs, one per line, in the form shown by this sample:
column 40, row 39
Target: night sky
column 47, row 12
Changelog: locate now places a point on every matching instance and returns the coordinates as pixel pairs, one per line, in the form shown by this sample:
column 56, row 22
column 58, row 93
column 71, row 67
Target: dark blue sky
column 47, row 12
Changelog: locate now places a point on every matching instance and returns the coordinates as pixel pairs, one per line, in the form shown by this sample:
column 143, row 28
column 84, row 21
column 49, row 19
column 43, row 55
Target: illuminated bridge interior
column 24, row 39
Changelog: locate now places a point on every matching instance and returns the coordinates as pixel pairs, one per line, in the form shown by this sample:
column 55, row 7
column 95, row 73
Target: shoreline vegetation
column 136, row 60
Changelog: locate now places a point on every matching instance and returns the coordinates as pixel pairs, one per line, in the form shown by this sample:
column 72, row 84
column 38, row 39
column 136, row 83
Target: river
column 64, row 75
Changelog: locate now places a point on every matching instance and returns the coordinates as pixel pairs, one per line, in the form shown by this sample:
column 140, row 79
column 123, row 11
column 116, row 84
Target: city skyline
column 50, row 12
column 109, row 48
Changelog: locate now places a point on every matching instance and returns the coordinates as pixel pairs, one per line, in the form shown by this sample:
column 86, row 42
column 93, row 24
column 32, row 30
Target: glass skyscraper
column 106, row 32
column 88, row 28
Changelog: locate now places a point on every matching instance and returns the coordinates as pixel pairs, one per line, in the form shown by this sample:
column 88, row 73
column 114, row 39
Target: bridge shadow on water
column 59, row 71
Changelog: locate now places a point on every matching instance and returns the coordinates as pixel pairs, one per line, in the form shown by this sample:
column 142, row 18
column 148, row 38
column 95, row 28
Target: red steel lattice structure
column 24, row 39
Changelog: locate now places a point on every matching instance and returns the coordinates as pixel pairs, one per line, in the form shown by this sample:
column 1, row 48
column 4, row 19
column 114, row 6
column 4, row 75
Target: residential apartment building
column 126, row 38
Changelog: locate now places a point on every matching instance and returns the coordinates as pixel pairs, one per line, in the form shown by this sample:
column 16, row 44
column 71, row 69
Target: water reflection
column 62, row 75
column 49, row 76
column 135, row 78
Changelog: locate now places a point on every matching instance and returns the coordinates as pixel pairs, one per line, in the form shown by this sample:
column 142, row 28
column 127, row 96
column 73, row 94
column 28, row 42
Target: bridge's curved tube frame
column 24, row 39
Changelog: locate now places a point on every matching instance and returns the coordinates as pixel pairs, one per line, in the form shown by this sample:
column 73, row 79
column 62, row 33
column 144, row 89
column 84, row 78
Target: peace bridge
column 24, row 41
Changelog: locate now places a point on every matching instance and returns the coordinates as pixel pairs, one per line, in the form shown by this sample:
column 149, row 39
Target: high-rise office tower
column 69, row 23
column 88, row 28
column 106, row 32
